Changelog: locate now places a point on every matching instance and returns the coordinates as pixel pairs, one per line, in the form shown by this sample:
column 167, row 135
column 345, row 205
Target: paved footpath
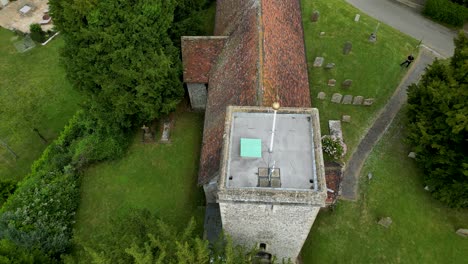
column 410, row 22
column 437, row 42
column 349, row 185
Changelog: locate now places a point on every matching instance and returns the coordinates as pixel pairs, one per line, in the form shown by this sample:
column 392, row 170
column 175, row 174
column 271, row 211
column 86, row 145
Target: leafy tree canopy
column 438, row 126
column 119, row 53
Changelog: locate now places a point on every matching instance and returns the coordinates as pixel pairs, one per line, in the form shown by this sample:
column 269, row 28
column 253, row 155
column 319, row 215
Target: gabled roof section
column 262, row 61
column 233, row 81
column 285, row 76
column 198, row 56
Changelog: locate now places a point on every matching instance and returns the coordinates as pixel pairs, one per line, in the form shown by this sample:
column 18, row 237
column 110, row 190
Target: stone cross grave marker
column 336, row 98
column 347, row 99
column 368, row 101
column 321, row 95
column 318, row 61
column 358, row 100
column 347, row 48
column 315, row 16
column 347, row 83
column 331, row 82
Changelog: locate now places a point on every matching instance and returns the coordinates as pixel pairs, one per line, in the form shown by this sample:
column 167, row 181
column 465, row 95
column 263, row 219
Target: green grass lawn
column 373, row 67
column 159, row 177
column 423, row 230
column 33, row 83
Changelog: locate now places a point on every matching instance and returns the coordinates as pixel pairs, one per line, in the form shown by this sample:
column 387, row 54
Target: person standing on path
column 408, row 61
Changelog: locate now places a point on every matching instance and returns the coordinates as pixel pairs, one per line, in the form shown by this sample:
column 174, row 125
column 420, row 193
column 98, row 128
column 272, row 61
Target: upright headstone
column 330, row 66
column 347, row 83
column 346, row 118
column 412, row 155
column 147, row 135
column 315, row 16
column 336, row 98
column 356, row 18
column 165, row 136
column 347, row 99
column 462, row 232
column 358, row 100
column 321, row 95
column 347, row 48
column 373, row 37
column 385, row 222
column 331, row 82
column 322, row 33
column 368, row 101
column 318, row 61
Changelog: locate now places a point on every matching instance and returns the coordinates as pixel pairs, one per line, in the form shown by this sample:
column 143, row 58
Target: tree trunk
column 9, row 149
column 41, row 136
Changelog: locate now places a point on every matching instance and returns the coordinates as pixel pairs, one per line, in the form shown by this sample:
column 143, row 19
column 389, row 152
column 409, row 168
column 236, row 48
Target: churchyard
column 422, row 229
column 162, row 177
column 358, row 74
column 34, row 94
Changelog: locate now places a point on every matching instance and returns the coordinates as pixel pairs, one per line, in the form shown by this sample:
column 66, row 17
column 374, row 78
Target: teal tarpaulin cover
column 251, row 148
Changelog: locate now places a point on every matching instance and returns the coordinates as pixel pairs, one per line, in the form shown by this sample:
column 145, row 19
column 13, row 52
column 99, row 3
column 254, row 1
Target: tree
column 120, row 55
column 438, row 126
column 142, row 238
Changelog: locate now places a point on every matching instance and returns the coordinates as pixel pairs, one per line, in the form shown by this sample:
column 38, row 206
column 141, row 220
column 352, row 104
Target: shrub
column 446, row 12
column 7, row 188
column 37, row 34
column 332, row 148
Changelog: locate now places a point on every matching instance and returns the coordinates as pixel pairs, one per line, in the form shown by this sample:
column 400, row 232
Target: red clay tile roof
column 333, row 177
column 198, row 54
column 263, row 60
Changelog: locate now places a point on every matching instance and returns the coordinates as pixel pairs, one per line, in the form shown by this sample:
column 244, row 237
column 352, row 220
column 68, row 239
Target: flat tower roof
column 292, row 149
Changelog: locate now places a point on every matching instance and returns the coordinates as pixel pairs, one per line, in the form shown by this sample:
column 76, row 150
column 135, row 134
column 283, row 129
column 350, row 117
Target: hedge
column 40, row 213
column 446, row 12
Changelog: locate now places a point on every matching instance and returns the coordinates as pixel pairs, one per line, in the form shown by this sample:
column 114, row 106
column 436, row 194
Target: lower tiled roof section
column 198, row 55
column 333, row 177
column 233, row 81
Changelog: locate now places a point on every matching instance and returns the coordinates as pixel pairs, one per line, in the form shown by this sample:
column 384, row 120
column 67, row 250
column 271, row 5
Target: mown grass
column 373, row 67
column 159, row 177
column 423, row 230
column 33, row 75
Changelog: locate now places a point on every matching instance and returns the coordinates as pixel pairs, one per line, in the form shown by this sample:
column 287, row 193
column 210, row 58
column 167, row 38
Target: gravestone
column 369, row 176
column 331, row 82
column 346, row 118
column 318, row 61
column 368, row 101
column 315, row 16
column 462, row 232
column 335, row 129
column 385, row 222
column 322, row 33
column 147, row 135
column 330, row 66
column 358, row 100
column 347, row 99
column 321, row 95
column 373, row 37
column 336, row 98
column 347, row 83
column 356, row 18
column 426, row 188
column 166, row 131
column 347, row 48
column 412, row 155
